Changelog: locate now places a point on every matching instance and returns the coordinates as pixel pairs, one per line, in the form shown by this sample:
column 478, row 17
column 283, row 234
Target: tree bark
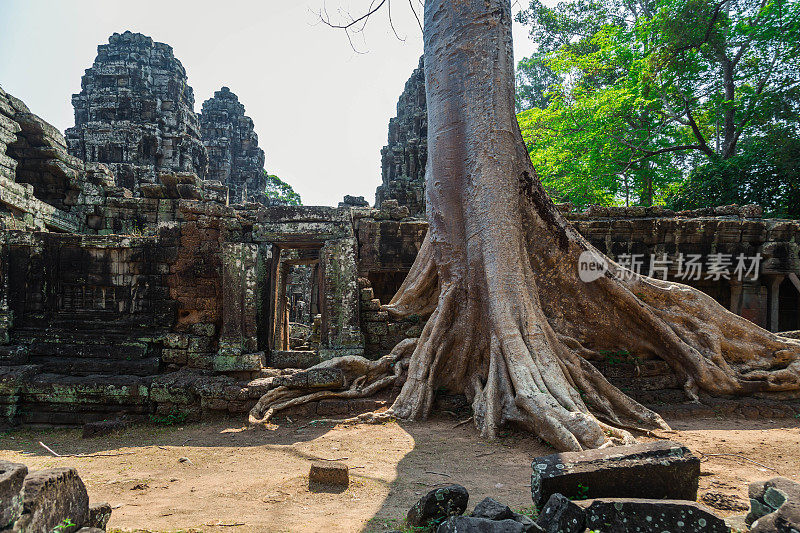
column 511, row 325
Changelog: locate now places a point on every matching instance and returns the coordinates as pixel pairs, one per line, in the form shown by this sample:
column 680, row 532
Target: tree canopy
column 280, row 191
column 652, row 101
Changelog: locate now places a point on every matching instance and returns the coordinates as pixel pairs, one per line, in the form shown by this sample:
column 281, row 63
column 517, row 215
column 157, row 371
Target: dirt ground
column 238, row 479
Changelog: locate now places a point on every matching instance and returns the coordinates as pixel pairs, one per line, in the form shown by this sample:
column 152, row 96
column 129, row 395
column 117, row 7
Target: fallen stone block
column 52, row 496
column 102, row 428
column 491, row 509
column 91, row 530
column 620, row 515
column 784, row 520
column 560, row 515
column 438, row 505
column 468, row 524
column 663, row 469
column 774, row 506
column 766, row 497
column 12, row 477
column 99, row 515
column 329, row 473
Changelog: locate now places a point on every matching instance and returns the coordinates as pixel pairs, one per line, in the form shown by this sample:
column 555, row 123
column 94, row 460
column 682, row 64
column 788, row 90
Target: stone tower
column 135, row 113
column 234, row 157
column 403, row 159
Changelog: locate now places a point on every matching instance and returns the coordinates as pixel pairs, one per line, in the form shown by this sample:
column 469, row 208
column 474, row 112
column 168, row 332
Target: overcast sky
column 321, row 111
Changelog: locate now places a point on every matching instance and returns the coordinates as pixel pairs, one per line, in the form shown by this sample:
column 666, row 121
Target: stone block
column 99, row 515
column 492, row 509
column 329, row 473
column 662, row 469
column 12, row 476
column 50, row 497
column 437, row 505
column 177, row 340
column 246, row 362
column 174, row 356
column 314, row 378
column 560, row 515
column 467, row 524
column 293, row 359
column 774, row 505
column 619, row 515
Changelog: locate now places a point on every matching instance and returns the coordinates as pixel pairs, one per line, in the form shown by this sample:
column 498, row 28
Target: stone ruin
column 403, row 159
column 48, row 500
column 167, row 298
column 234, row 157
column 135, row 113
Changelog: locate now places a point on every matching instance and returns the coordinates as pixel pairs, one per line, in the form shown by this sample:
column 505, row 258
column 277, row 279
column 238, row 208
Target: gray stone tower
column 403, row 159
column 135, row 113
column 234, row 157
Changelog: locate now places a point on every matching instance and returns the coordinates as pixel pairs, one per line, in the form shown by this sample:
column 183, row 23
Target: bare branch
column 391, row 23
column 419, row 23
column 326, row 20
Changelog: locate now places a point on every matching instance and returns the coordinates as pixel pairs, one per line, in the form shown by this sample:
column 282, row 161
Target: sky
column 321, row 110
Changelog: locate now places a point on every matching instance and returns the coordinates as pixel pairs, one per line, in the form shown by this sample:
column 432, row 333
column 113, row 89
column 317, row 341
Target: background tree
column 509, row 322
column 766, row 172
column 280, row 191
column 650, row 89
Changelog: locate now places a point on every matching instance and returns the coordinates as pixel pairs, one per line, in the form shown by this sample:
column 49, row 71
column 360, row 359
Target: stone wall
column 234, row 158
column 403, row 159
column 41, row 185
column 135, row 113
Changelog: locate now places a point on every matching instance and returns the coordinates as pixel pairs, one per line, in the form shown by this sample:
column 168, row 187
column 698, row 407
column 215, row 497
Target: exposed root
column 363, row 418
column 365, row 377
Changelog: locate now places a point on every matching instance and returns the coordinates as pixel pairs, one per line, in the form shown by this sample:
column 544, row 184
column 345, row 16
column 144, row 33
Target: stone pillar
column 238, row 338
column 754, row 302
column 775, row 301
column 341, row 329
column 736, row 296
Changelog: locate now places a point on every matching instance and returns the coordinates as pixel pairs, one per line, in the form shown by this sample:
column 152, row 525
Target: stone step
column 117, row 351
column 293, row 359
column 91, row 366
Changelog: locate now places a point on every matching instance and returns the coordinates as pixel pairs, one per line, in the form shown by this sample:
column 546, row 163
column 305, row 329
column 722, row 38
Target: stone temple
column 135, row 113
column 403, row 159
column 234, row 157
column 139, row 278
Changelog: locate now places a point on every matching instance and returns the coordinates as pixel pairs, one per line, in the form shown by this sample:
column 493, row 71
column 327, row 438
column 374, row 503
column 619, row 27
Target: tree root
column 365, row 377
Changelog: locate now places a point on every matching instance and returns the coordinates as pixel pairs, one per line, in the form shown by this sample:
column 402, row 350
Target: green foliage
column 531, row 512
column 65, row 524
column 582, row 492
column 623, row 99
column 172, row 419
column 280, row 191
column 765, row 172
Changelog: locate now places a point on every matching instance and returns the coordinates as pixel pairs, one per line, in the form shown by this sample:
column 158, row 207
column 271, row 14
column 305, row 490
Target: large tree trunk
column 511, row 324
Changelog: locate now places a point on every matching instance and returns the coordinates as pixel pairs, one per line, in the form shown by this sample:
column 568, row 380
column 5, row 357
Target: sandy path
column 258, row 477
